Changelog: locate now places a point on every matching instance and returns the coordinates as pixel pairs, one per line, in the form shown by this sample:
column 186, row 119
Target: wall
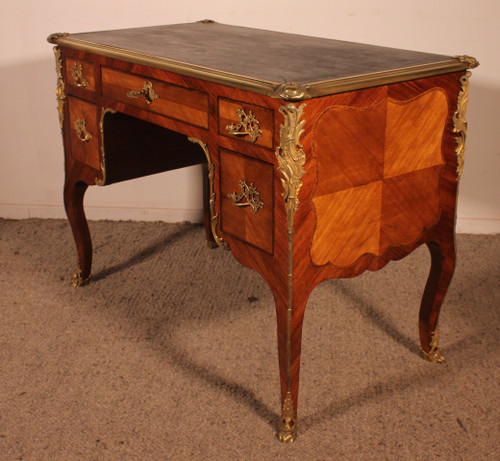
column 31, row 168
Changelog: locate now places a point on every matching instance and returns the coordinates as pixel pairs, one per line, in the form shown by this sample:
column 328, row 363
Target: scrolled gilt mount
column 247, row 126
column 291, row 91
column 248, row 193
column 459, row 121
column 471, row 62
column 52, row 38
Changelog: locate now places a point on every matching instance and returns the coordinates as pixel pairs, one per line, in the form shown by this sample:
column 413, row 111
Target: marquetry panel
column 414, row 133
column 84, row 132
column 231, row 113
column 378, row 176
column 349, row 147
column 242, row 222
column 173, row 101
column 348, row 224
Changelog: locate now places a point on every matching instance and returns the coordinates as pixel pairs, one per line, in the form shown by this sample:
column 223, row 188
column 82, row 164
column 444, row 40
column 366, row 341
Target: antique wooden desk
column 323, row 158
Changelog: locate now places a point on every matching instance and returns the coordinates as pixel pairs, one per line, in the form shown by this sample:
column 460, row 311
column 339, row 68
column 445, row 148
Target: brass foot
column 288, row 423
column 434, row 355
column 78, row 280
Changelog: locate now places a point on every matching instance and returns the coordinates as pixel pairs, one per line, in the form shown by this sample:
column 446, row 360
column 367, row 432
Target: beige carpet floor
column 170, row 354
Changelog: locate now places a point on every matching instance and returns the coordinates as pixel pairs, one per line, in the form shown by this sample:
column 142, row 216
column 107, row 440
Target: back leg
column 442, row 267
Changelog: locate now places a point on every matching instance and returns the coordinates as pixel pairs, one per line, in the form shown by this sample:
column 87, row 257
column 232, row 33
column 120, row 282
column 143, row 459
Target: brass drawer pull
column 81, row 130
column 78, row 78
column 147, row 91
column 250, row 193
column 247, row 126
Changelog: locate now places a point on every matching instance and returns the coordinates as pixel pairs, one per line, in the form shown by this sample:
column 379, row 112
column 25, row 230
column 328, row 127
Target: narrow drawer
column 163, row 98
column 84, row 132
column 247, row 122
column 80, row 73
column 247, row 199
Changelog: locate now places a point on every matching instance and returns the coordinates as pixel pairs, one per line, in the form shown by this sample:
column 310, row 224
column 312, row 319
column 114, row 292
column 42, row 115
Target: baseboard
column 100, row 213
column 478, row 226
column 464, row 225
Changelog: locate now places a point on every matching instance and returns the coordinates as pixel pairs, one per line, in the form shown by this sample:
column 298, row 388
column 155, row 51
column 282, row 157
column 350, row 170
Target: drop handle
column 78, row 77
column 81, row 130
column 147, row 91
column 247, row 126
column 249, row 196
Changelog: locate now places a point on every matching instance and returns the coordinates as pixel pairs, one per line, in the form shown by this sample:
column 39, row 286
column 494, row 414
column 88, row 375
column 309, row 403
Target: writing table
column 322, row 158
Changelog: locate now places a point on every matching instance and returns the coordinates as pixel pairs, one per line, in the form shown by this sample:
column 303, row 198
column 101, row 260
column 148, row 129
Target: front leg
column 290, row 320
column 442, row 267
column 74, row 192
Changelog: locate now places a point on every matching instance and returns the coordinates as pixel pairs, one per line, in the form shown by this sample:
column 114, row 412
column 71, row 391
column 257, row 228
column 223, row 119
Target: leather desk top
column 261, row 60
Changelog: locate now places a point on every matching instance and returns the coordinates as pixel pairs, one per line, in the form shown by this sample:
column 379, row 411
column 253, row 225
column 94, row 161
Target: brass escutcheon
column 77, row 74
column 81, row 130
column 147, row 91
column 247, row 126
column 250, row 194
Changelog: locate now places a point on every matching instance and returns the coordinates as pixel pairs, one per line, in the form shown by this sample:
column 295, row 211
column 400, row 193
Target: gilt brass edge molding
column 460, row 123
column 358, row 82
column 60, row 89
column 214, row 216
column 291, row 160
column 190, row 70
column 102, row 180
column 289, row 91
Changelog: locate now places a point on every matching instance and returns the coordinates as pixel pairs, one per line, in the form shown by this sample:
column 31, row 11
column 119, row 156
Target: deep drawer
column 84, row 132
column 247, row 199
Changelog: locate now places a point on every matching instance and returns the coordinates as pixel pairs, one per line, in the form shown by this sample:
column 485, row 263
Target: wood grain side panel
column 348, row 224
column 173, row 101
column 410, row 204
column 349, row 145
column 414, row 133
column 395, row 145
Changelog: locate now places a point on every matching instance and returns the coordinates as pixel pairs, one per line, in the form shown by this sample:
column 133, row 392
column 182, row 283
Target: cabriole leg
column 73, row 201
column 442, row 267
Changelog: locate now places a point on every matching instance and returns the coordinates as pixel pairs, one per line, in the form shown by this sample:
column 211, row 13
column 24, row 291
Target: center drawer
column 163, row 98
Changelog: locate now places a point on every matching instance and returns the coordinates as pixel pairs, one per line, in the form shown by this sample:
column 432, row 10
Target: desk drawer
column 247, row 122
column 173, row 101
column 84, row 132
column 247, row 199
column 80, row 73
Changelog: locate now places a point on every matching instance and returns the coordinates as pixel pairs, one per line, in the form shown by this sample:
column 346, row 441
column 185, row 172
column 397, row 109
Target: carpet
column 170, row 354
